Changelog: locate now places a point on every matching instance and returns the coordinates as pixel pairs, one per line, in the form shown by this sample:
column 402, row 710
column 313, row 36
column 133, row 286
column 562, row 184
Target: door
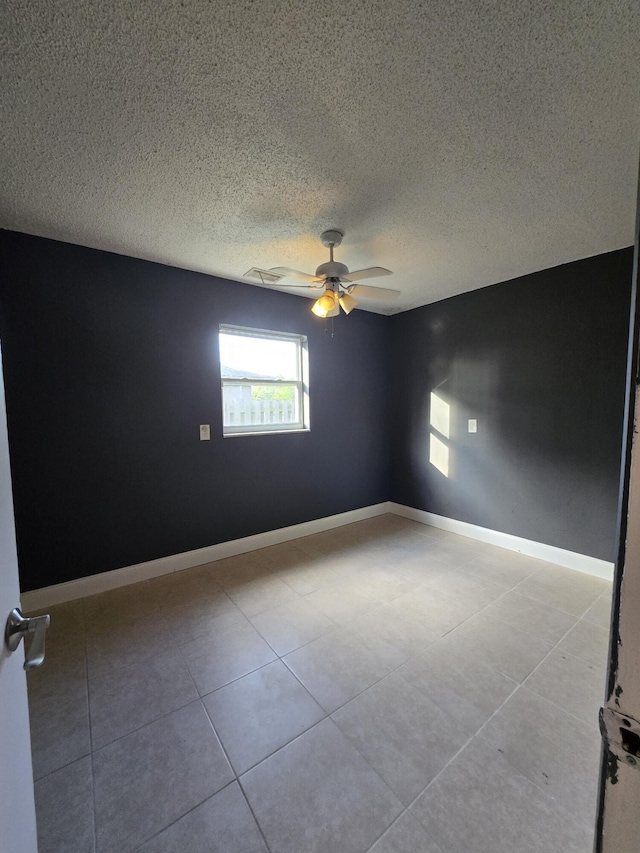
column 17, row 810
column 618, row 829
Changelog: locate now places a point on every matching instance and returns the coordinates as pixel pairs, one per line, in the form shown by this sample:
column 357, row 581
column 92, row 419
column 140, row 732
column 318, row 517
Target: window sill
column 267, row 432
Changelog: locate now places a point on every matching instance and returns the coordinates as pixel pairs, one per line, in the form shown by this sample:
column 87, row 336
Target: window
column 264, row 381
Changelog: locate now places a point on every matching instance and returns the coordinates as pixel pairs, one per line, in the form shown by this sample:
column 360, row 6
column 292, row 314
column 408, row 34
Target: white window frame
column 301, row 383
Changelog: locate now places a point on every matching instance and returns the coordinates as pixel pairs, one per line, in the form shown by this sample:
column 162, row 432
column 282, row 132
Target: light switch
column 473, row 425
column 205, row 432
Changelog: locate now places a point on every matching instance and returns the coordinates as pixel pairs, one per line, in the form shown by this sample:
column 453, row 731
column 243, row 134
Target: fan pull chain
column 328, row 332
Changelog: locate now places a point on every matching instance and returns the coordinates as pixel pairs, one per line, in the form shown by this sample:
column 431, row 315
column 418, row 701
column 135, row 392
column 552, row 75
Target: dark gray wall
column 540, row 362
column 111, row 364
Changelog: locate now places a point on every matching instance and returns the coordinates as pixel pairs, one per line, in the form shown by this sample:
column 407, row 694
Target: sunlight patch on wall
column 439, row 422
column 439, row 415
column 439, row 454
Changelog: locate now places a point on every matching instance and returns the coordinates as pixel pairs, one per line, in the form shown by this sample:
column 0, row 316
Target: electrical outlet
column 205, row 432
column 473, row 425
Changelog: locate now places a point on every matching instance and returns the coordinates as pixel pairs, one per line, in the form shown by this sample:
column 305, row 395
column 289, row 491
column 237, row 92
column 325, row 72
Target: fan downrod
column 331, row 238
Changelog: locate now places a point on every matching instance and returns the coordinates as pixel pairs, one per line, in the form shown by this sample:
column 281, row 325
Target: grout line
column 192, row 809
column 285, row 745
column 224, row 752
column 75, row 760
column 235, row 680
column 93, row 775
column 391, row 825
column 405, row 811
column 197, row 698
column 144, row 725
column 328, row 718
column 253, row 815
column 546, row 604
column 301, row 646
column 518, row 687
column 219, row 739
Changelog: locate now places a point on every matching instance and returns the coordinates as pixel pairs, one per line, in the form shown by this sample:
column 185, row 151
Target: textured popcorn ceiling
column 457, row 142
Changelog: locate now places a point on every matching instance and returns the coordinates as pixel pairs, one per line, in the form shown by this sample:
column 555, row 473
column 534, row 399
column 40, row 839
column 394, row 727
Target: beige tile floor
column 383, row 687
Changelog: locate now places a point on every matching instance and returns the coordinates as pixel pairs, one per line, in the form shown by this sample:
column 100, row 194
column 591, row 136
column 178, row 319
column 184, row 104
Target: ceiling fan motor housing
column 331, row 238
column 332, row 269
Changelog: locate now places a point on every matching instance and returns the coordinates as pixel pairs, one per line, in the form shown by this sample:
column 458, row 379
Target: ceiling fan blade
column 297, row 286
column 370, row 272
column 287, row 271
column 373, row 292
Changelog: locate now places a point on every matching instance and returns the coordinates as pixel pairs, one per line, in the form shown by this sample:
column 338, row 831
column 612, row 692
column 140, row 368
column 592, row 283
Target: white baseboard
column 48, row 596
column 568, row 559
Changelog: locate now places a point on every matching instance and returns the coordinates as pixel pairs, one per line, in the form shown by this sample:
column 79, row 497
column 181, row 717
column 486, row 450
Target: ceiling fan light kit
column 347, row 303
column 338, row 283
column 323, row 306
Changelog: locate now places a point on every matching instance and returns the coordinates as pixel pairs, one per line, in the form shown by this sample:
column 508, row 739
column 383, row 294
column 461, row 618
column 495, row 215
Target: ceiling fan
column 339, row 285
